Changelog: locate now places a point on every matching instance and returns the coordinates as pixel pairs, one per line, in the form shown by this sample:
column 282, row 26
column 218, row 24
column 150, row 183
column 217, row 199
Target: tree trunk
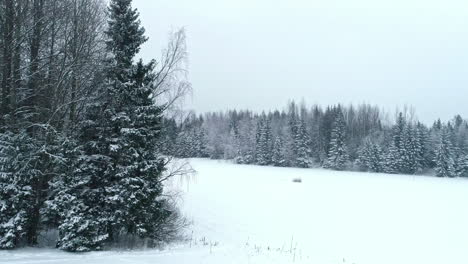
column 8, row 31
column 74, row 81
column 33, row 85
column 34, row 102
column 17, row 53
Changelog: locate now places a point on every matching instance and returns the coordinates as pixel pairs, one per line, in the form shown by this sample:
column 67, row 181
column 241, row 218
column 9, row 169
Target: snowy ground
column 251, row 214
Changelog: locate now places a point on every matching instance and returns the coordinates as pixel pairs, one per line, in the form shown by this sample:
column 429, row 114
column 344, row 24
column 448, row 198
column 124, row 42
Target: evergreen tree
column 290, row 140
column 409, row 151
column 186, row 144
column 258, row 140
column 404, row 150
column 264, row 142
column 371, row 157
column 169, row 137
column 200, row 149
column 462, row 166
column 118, row 172
column 16, row 195
column 423, row 155
column 239, row 155
column 398, row 156
column 398, row 131
column 81, row 222
column 338, row 155
column 444, row 159
column 301, row 146
column 315, row 146
column 437, row 125
column 392, row 159
column 27, row 164
column 278, row 156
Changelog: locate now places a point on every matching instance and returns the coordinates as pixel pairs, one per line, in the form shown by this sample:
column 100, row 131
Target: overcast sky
column 257, row 54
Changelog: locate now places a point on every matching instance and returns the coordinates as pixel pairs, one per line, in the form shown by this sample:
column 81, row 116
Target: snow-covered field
column 251, row 214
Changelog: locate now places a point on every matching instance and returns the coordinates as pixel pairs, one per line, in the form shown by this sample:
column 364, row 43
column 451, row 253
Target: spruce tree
column 462, row 166
column 264, row 142
column 301, row 146
column 405, row 149
column 398, row 131
column 364, row 154
column 116, row 187
column 26, row 165
column 278, row 156
column 338, row 153
column 398, row 156
column 239, row 154
column 376, row 160
column 370, row 157
column 291, row 136
column 410, row 151
column 258, row 140
column 444, row 156
column 184, row 144
column 392, row 160
column 16, row 195
column 200, row 143
column 169, row 137
column 423, row 157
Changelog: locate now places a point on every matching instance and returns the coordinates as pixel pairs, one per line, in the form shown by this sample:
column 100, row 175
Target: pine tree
column 169, row 137
column 200, row 149
column 264, row 142
column 28, row 161
column 81, row 222
column 462, row 166
column 301, row 146
column 258, row 140
column 118, row 172
column 239, row 154
column 444, row 156
column 398, row 156
column 422, row 147
column 364, row 156
column 398, row 131
column 315, row 146
column 376, row 160
column 392, row 160
column 70, row 208
column 278, row 156
column 437, row 125
column 371, row 157
column 186, row 144
column 16, row 196
column 409, row 151
column 338, row 155
column 291, row 138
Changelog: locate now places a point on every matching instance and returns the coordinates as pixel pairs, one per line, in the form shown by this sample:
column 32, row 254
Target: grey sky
column 257, row 54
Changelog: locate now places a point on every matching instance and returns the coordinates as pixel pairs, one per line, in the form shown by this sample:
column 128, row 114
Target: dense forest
column 362, row 137
column 80, row 124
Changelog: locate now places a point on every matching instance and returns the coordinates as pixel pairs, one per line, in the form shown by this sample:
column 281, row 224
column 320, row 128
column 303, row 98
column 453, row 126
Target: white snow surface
column 252, row 214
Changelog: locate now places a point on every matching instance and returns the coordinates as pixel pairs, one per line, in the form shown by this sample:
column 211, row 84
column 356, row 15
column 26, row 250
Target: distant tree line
column 336, row 137
column 81, row 122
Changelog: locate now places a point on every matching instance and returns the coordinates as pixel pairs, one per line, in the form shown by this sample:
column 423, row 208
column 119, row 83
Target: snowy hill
column 253, row 214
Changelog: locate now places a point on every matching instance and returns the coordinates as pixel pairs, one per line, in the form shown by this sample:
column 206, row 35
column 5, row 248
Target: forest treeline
column 336, row 137
column 80, row 123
